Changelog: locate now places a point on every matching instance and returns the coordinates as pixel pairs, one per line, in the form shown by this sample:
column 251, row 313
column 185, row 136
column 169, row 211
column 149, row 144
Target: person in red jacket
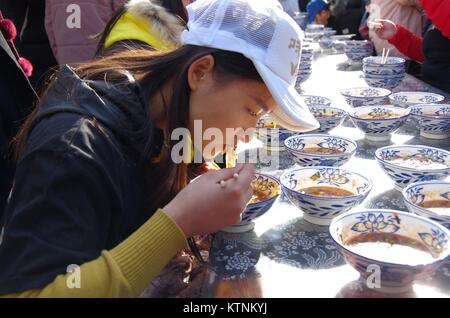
column 433, row 50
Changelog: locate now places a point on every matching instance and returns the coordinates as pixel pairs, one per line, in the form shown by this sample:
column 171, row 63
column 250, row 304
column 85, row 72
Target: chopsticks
column 385, row 55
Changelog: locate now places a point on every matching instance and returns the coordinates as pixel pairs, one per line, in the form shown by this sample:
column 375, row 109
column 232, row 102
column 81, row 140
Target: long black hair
column 152, row 70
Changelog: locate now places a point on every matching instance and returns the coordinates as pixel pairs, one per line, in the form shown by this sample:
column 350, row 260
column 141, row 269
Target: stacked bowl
column 387, row 73
column 314, row 32
column 356, row 51
column 305, row 67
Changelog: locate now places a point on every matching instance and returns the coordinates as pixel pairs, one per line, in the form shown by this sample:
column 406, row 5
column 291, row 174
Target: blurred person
column 155, row 24
column 432, row 50
column 319, row 12
column 72, row 25
column 347, row 16
column 404, row 12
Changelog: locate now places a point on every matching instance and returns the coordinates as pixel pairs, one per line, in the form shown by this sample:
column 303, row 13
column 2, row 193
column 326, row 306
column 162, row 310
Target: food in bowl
column 390, row 248
column 326, row 191
column 407, row 164
column 328, row 117
column 403, row 246
column 430, row 199
column 365, row 96
column 405, row 99
column 326, row 187
column 266, row 190
column 379, row 122
column 418, row 161
column 320, row 149
column 433, row 120
column 438, row 206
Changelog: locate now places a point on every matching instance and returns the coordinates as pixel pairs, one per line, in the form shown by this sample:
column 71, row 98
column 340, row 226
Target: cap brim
column 292, row 112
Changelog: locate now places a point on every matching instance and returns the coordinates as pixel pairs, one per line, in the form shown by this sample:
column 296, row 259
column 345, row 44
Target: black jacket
column 436, row 67
column 80, row 184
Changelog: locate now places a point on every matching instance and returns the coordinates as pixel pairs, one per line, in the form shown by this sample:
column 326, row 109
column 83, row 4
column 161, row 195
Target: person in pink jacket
column 72, row 25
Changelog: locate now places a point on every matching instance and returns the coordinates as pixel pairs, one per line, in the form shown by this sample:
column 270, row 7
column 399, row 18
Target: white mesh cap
column 265, row 34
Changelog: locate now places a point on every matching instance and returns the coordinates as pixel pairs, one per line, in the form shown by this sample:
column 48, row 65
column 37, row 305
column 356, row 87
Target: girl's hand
column 204, row 206
column 387, row 30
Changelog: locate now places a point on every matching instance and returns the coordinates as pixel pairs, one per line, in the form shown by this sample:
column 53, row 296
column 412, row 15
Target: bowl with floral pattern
column 365, row 96
column 384, row 81
column 266, row 190
column 320, row 150
column 390, row 249
column 328, row 117
column 430, row 199
column 379, row 122
column 313, row 100
column 405, row 99
column 407, row 164
column 272, row 134
column 433, row 120
column 322, row 193
column 373, row 65
column 357, row 50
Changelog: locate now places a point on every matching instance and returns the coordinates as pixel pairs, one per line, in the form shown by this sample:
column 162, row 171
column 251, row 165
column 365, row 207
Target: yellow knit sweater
column 127, row 269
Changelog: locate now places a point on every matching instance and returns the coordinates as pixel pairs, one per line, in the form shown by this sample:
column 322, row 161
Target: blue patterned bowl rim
column 332, row 231
column 317, row 168
column 311, row 136
column 263, row 202
column 327, row 100
column 340, row 112
column 400, row 147
column 438, row 96
column 371, row 61
column 352, row 114
column 383, row 90
column 423, row 183
column 429, row 116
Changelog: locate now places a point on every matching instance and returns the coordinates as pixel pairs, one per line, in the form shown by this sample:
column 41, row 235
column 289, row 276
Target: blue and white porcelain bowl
column 406, row 164
column 313, row 100
column 314, row 31
column 301, row 78
column 271, row 189
column 365, row 96
column 326, row 43
column 379, row 122
column 272, row 138
column 394, row 66
column 424, row 198
column 356, row 51
column 322, row 209
column 433, row 120
column 388, row 268
column 299, row 147
column 384, row 81
column 429, row 199
column 328, row 117
column 405, row 99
